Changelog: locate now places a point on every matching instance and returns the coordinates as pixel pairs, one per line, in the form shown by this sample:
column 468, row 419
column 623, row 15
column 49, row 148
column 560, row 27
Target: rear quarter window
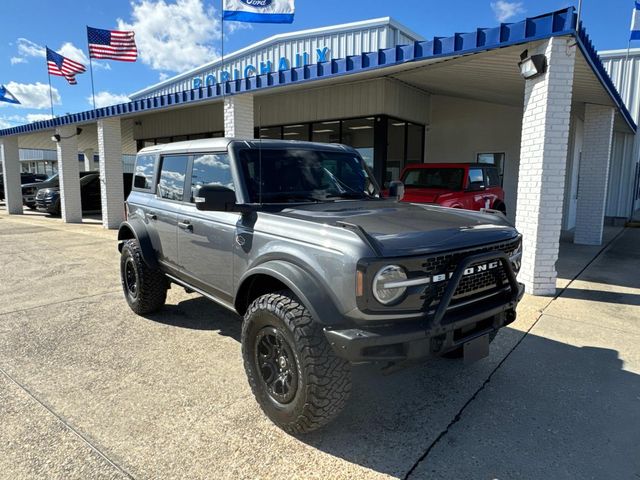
column 143, row 172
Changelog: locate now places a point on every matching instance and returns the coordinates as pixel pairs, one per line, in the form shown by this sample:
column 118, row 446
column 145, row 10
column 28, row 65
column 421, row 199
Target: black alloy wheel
column 277, row 365
column 131, row 278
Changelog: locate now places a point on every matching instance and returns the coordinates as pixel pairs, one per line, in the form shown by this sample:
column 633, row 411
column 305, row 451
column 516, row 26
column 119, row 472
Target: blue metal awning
column 560, row 23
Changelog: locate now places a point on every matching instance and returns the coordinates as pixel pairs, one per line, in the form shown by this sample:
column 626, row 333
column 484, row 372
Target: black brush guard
column 442, row 329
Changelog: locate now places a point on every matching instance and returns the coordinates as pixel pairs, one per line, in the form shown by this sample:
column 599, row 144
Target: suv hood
column 399, row 229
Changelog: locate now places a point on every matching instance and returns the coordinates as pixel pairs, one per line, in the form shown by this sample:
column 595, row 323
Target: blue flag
column 635, row 23
column 258, row 11
column 7, row 96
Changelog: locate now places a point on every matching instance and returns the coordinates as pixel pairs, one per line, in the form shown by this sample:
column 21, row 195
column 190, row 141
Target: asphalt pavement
column 90, row 390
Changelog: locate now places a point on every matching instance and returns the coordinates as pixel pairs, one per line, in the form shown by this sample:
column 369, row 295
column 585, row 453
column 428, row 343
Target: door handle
column 152, row 216
column 185, row 226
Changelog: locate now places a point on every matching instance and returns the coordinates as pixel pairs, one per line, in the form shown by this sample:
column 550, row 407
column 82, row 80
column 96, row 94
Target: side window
column 493, row 177
column 211, row 169
column 476, row 177
column 172, row 177
column 143, row 172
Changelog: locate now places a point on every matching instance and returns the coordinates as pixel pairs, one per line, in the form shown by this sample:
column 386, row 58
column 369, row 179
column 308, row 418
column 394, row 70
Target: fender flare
column 309, row 290
column 136, row 229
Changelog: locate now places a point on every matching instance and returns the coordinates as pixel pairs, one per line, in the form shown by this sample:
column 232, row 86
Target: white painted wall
column 460, row 129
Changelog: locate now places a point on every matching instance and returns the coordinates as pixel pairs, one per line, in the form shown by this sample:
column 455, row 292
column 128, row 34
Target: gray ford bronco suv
column 296, row 238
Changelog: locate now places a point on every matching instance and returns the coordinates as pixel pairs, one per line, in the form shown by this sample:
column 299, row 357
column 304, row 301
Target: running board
column 184, row 284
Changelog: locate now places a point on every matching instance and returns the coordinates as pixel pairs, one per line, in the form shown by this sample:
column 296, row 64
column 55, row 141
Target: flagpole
column 224, row 88
column 579, row 16
column 50, row 94
column 50, row 91
column 93, row 92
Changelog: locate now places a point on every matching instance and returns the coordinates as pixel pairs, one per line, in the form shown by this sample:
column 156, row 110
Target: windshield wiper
column 350, row 195
column 293, row 198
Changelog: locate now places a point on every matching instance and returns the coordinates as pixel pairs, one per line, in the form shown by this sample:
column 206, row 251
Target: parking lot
column 90, row 390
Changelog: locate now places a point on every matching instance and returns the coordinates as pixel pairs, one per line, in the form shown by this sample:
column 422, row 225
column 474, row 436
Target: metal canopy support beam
column 543, row 158
column 9, row 155
column 111, row 181
column 69, row 171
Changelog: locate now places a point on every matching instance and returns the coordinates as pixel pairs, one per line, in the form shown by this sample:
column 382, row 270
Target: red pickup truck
column 471, row 186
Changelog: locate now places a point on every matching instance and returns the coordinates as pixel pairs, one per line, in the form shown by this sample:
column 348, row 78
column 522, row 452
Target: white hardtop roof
column 221, row 143
column 285, row 36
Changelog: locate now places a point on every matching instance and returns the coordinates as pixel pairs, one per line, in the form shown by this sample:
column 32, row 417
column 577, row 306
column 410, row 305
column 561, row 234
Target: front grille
column 470, row 285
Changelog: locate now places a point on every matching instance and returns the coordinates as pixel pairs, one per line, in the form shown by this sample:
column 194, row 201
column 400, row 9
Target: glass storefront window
column 395, row 150
column 326, row 132
column 358, row 134
column 415, row 143
column 271, row 132
column 296, row 132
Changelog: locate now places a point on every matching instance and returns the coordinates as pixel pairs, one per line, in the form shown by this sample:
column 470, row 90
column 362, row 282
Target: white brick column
column 69, row 171
column 88, row 159
column 238, row 116
column 543, row 157
column 111, row 182
column 594, row 174
column 9, row 156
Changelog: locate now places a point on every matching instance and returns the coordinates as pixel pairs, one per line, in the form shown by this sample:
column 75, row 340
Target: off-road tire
column 323, row 382
column 459, row 352
column 151, row 285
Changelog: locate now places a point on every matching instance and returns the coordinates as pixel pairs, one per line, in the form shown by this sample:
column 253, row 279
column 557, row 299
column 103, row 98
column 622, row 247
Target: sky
column 177, row 35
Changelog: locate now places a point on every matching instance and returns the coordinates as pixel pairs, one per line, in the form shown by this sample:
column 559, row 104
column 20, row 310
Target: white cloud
column 16, row 60
column 505, row 10
column 33, row 95
column 174, row 36
column 69, row 50
column 37, row 117
column 163, row 76
column 27, row 48
column 104, row 99
column 8, row 121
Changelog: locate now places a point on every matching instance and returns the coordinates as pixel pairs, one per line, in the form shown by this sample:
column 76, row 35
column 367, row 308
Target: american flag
column 112, row 44
column 63, row 66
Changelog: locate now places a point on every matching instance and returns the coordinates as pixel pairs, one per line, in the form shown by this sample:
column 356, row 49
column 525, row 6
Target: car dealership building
column 532, row 97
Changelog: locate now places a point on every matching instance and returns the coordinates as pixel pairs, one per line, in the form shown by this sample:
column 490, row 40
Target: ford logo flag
column 257, row 3
column 258, row 11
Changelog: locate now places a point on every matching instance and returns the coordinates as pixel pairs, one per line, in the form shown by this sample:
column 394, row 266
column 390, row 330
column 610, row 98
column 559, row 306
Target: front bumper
column 46, row 205
column 439, row 330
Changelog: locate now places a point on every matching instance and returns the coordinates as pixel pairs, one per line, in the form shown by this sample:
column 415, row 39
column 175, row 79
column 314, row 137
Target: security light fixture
column 56, row 138
column 532, row 66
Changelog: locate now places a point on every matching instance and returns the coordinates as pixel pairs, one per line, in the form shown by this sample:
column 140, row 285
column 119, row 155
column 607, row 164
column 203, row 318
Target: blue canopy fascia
column 559, row 23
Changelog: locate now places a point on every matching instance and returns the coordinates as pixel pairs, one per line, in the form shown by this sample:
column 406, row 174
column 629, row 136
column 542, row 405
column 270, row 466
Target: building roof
column 559, row 23
column 297, row 35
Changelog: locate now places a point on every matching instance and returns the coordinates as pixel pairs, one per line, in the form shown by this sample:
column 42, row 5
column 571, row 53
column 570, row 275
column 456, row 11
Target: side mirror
column 215, row 198
column 476, row 187
column 140, row 181
column 396, row 190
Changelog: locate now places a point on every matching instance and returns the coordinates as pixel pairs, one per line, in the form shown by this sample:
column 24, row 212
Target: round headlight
column 387, row 275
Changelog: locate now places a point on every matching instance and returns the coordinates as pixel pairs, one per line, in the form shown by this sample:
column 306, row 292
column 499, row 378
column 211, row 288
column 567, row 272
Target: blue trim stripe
column 560, row 23
column 635, row 35
column 251, row 17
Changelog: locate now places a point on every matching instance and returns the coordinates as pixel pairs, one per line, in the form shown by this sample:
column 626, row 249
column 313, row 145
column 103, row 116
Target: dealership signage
column 250, row 70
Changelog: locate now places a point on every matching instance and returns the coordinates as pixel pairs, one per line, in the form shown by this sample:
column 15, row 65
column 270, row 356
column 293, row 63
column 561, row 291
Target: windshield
column 290, row 175
column 441, row 178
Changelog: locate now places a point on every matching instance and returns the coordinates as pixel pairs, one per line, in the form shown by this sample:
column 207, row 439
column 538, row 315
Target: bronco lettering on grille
column 469, row 271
